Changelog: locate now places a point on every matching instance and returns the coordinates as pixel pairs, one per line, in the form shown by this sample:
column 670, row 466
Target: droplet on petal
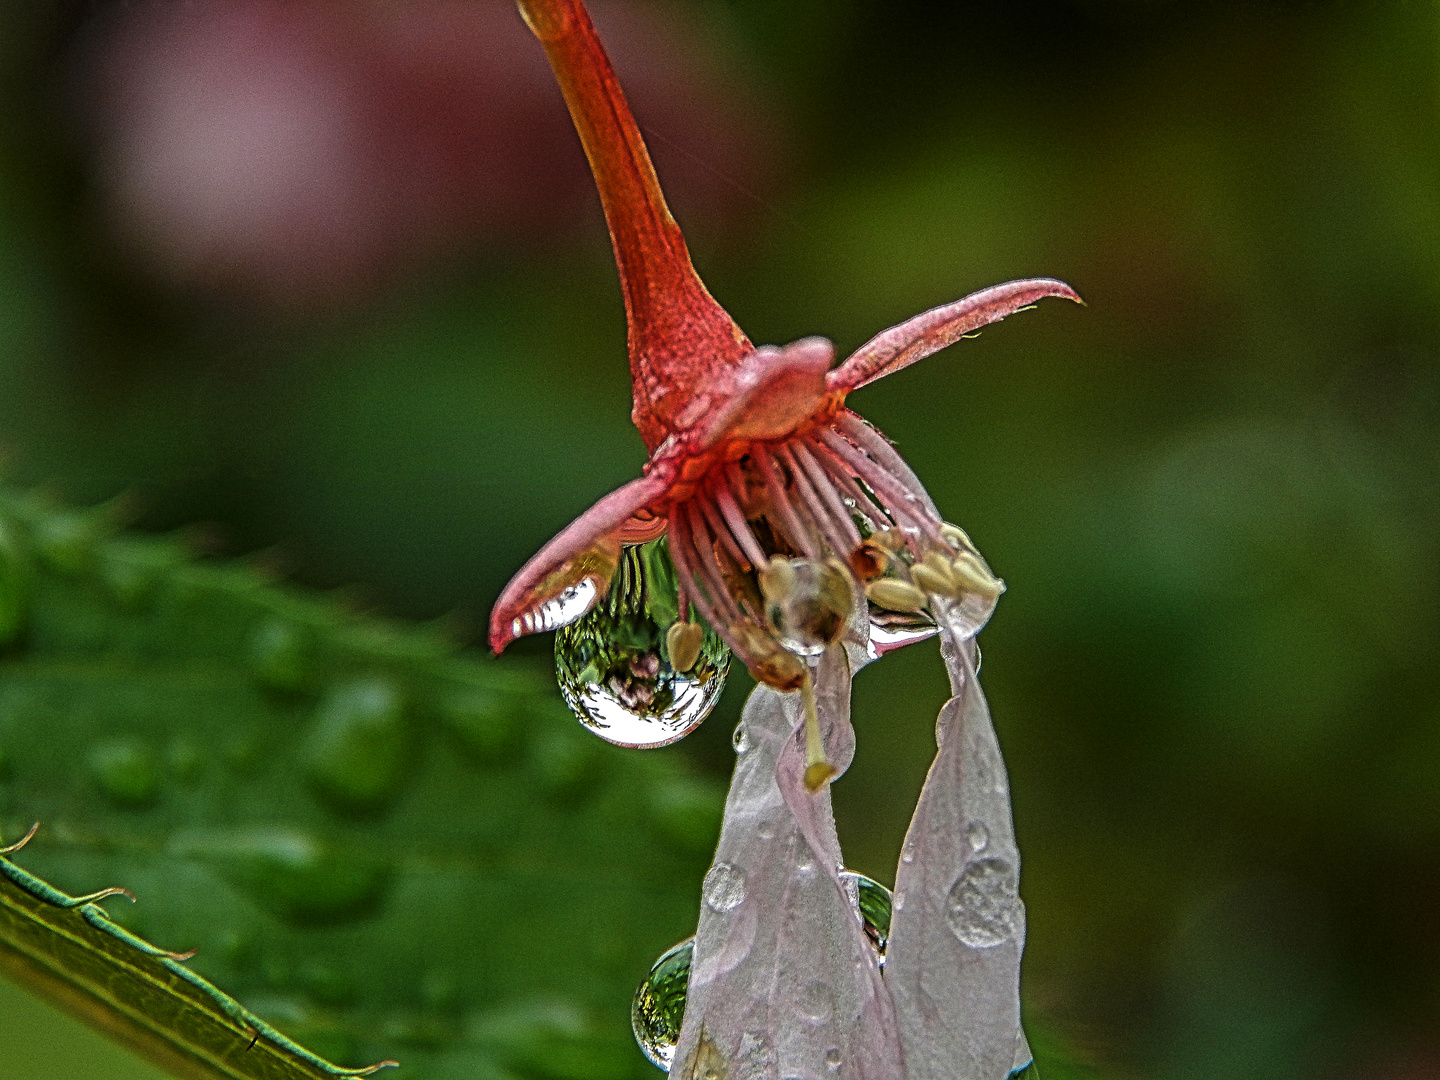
column 806, row 603
column 873, row 901
column 659, row 1006
column 617, row 666
column 658, row 1009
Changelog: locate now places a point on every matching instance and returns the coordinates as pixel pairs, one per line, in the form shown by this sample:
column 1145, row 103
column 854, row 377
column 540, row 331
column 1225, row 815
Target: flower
column 806, row 542
column 783, row 507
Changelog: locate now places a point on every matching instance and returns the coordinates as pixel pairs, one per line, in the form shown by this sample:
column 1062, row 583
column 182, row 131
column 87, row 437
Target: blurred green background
column 386, row 340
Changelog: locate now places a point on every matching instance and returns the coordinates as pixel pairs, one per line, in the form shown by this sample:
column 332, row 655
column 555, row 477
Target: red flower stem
column 677, row 330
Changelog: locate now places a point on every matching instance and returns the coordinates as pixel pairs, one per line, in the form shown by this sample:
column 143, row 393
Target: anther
column 868, row 560
column 934, row 576
column 892, row 594
column 682, row 642
column 973, row 577
column 956, row 537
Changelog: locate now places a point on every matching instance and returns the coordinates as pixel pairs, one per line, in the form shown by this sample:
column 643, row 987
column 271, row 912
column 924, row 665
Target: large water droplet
column 983, row 907
column 724, row 887
column 659, row 1006
column 358, row 748
column 977, row 836
column 874, row 902
column 126, row 770
column 614, row 665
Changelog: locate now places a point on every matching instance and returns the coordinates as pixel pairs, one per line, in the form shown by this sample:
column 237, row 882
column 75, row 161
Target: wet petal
column 586, row 550
column 784, row 982
column 931, row 331
column 958, row 927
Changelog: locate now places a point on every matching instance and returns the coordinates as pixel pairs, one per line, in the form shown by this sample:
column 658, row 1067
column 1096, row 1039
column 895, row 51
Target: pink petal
column 958, row 927
column 784, row 982
column 771, row 393
column 930, row 332
column 531, row 603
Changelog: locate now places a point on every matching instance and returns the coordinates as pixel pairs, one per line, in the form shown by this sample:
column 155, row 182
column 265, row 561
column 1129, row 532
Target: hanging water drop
column 614, row 664
column 659, row 1006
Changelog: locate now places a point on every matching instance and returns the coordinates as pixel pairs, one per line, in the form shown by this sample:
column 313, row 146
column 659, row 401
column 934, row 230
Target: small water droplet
column 816, row 1002
column 358, row 749
column 741, row 739
column 658, row 1009
column 907, row 856
column 977, row 836
column 832, row 1058
column 874, row 903
column 983, row 907
column 126, row 770
column 613, row 665
column 724, row 887
column 765, row 829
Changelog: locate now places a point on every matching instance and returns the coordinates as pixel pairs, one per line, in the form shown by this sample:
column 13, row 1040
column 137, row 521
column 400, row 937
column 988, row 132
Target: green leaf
column 382, row 846
column 68, row 949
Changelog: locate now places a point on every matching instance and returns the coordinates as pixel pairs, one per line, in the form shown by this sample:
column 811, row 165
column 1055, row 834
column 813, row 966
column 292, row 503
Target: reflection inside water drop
column 890, row 630
column 659, row 1006
column 561, row 609
column 614, row 666
column 658, row 1009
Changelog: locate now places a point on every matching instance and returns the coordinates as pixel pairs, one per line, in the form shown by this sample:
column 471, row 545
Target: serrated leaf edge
column 248, row 1024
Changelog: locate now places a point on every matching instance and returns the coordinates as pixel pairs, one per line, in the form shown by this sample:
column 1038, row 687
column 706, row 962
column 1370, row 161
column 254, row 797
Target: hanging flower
column 802, row 538
column 788, row 516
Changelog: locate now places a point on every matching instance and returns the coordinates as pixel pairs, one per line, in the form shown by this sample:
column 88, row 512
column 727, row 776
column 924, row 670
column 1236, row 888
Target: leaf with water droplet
column 409, row 852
